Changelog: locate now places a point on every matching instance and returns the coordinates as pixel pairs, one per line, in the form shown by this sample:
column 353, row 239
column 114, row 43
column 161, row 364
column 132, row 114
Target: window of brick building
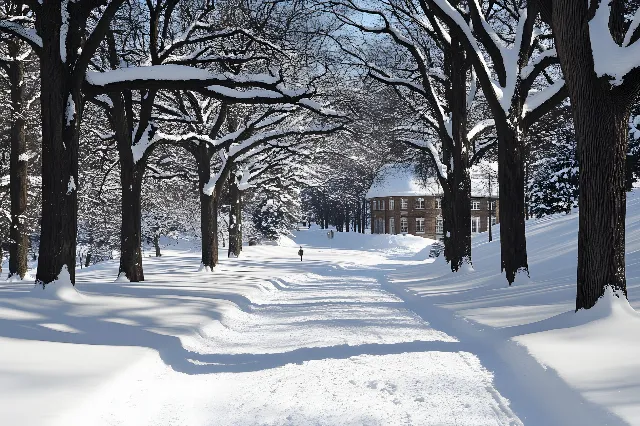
column 420, row 225
column 419, row 203
column 404, row 204
column 404, row 224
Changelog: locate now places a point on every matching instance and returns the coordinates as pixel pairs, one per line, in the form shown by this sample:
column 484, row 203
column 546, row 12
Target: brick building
column 401, row 203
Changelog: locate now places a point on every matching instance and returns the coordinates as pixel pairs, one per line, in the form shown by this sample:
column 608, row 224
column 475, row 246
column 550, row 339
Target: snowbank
column 596, row 352
column 383, row 243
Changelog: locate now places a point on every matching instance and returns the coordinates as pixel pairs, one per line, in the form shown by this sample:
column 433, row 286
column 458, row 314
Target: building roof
column 401, row 180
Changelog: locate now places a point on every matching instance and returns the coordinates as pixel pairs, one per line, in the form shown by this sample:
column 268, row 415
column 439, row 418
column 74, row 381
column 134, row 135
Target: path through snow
column 324, row 345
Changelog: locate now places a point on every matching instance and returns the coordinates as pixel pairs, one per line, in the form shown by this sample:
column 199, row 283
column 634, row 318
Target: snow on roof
column 401, row 180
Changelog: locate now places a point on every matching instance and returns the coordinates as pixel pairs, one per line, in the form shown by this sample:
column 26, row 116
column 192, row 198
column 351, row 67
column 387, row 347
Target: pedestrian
column 300, row 253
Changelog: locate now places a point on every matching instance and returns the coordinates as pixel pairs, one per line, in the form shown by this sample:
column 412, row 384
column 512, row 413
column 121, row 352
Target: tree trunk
column 235, row 213
column 87, row 262
column 364, row 214
column 601, row 122
column 456, row 203
column 131, row 176
column 60, row 140
column 513, row 241
column 346, row 218
column 491, row 212
column 131, row 225
column 156, row 245
column 208, row 210
column 18, row 168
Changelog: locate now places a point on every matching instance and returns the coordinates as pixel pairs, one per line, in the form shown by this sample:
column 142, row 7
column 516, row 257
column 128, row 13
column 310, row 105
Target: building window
column 392, row 204
column 392, row 224
column 491, row 205
column 404, row 225
column 475, row 225
column 381, row 204
column 404, row 204
column 419, row 203
column 439, row 225
column 438, row 203
column 420, row 225
column 475, row 205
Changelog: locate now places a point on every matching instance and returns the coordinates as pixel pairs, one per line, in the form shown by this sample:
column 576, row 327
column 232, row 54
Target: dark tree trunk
column 208, row 210
column 513, row 242
column 59, row 152
column 491, row 212
column 18, row 168
column 235, row 213
column 526, row 183
column 156, row 245
column 87, row 262
column 456, row 204
column 325, row 215
column 364, row 214
column 346, row 219
column 131, row 176
column 601, row 122
column 131, row 225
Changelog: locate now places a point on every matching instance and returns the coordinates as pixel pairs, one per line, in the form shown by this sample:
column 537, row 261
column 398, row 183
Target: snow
column 588, row 358
column 64, row 29
column 170, row 72
column 400, row 180
column 265, row 339
column 609, row 58
column 367, row 329
column 71, row 186
column 535, row 99
column 70, row 111
column 139, row 148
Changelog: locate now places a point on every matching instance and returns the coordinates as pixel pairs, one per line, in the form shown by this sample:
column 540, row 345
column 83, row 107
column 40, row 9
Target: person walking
column 300, row 253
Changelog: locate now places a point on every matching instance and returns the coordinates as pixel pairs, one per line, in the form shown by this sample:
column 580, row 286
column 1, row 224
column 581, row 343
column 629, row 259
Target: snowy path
column 325, row 345
column 338, row 339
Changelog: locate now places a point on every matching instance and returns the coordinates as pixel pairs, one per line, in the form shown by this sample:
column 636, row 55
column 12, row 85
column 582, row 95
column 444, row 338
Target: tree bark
column 456, row 203
column 346, row 218
column 18, row 167
column 601, row 116
column 235, row 217
column 208, row 210
column 513, row 241
column 131, row 225
column 156, row 245
column 59, row 152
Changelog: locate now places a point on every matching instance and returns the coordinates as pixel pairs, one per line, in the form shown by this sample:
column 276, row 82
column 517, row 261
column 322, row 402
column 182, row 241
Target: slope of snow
column 594, row 354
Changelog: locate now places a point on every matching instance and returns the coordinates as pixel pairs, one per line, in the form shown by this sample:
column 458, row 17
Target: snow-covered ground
column 365, row 330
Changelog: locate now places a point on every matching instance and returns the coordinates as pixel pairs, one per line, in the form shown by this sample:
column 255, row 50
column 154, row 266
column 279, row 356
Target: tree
column 598, row 50
column 431, row 77
column 83, row 28
column 502, row 39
